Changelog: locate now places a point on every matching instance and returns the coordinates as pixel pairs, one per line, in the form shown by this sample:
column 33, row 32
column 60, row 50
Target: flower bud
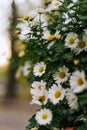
column 40, row 10
column 76, row 62
column 58, row 37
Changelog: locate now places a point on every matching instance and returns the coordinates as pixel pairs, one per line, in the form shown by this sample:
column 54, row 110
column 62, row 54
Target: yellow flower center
column 71, row 41
column 26, row 17
column 51, row 37
column 73, row 99
column 41, row 69
column 80, row 81
column 17, row 32
column 82, row 44
column 44, row 116
column 39, row 87
column 42, row 98
column 57, row 3
column 57, row 94
column 62, row 74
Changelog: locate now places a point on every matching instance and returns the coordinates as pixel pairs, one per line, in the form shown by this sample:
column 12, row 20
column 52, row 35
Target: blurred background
column 14, row 92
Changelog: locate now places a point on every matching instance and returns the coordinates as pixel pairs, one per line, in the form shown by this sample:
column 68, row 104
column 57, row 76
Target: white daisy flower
column 78, row 81
column 71, row 40
column 24, row 27
column 29, row 16
column 39, row 69
column 47, row 35
column 35, row 15
column 37, row 87
column 72, row 99
column 54, row 5
column 32, row 13
column 62, row 75
column 82, row 44
column 32, row 17
column 56, row 93
column 40, row 98
column 44, row 116
column 26, row 68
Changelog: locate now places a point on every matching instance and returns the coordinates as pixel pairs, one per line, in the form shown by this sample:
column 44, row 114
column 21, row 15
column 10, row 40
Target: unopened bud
column 40, row 10
column 76, row 62
column 58, row 37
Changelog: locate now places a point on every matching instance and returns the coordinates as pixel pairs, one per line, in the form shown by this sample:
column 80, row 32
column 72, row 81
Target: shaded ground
column 14, row 114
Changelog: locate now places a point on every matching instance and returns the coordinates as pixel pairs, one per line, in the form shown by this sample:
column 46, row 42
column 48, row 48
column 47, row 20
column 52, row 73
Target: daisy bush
column 55, row 63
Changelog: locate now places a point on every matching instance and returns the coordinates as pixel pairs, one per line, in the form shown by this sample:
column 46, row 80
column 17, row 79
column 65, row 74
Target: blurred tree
column 11, row 73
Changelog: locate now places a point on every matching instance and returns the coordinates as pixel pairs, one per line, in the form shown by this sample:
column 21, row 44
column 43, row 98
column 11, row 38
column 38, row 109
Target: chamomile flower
column 47, row 35
column 54, row 5
column 56, row 93
column 72, row 99
column 38, row 14
column 44, row 116
column 29, row 16
column 78, row 81
column 82, row 44
column 24, row 31
column 32, row 13
column 37, row 86
column 39, row 69
column 71, row 40
column 40, row 97
column 62, row 75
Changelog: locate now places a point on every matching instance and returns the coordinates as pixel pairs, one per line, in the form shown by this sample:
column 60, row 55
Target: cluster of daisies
column 56, row 92
column 73, row 42
column 67, row 83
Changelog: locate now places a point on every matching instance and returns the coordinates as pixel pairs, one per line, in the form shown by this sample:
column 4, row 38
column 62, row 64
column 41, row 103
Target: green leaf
column 82, row 128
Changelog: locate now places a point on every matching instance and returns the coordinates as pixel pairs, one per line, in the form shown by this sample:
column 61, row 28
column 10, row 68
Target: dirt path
column 14, row 115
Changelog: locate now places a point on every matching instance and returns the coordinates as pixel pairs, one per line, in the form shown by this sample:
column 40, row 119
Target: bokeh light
column 5, row 50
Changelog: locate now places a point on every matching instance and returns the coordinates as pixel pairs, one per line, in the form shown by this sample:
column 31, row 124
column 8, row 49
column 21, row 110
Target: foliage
column 59, row 43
